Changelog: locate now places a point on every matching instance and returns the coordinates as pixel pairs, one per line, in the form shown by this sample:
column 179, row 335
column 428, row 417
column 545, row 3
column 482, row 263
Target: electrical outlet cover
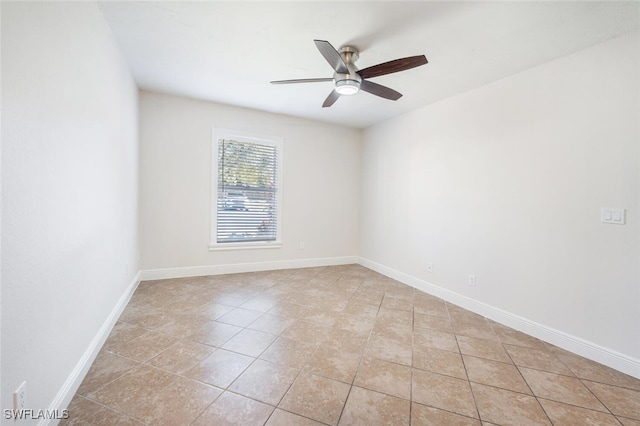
column 20, row 397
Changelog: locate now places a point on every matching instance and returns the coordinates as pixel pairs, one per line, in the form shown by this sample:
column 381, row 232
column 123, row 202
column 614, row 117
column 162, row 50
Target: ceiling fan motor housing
column 348, row 83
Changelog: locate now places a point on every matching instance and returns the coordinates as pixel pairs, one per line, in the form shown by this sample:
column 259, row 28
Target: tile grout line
column 413, row 341
column 502, row 343
column 466, row 372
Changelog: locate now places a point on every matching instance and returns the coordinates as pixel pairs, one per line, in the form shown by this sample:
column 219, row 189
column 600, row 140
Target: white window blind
column 247, row 192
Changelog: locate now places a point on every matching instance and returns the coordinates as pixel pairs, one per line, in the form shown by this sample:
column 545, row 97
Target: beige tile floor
column 333, row 345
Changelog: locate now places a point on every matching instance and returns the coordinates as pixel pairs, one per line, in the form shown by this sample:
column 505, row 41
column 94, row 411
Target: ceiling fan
column 349, row 80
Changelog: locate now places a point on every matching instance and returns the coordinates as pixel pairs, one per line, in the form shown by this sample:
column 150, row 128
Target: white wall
column 69, row 193
column 320, row 186
column 506, row 182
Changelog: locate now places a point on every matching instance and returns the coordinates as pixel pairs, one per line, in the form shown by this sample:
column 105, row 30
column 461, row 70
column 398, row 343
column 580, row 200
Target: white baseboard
column 198, row 271
column 71, row 385
column 577, row 345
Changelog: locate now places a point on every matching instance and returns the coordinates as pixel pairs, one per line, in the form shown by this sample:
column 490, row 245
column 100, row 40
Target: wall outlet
column 472, row 280
column 301, row 245
column 429, row 267
column 20, row 397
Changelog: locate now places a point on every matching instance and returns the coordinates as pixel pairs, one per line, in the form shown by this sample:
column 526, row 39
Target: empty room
column 320, row 213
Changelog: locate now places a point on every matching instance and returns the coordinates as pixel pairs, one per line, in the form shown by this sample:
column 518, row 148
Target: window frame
column 220, row 134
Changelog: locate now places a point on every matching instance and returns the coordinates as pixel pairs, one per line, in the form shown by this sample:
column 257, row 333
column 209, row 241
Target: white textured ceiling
column 228, row 52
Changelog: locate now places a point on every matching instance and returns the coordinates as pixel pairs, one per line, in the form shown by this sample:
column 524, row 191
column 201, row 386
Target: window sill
column 245, row 246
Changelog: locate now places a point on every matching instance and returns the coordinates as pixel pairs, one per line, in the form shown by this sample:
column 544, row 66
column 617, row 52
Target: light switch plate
column 612, row 215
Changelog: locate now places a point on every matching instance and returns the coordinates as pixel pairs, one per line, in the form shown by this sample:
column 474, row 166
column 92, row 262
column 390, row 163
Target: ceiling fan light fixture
column 349, row 80
column 347, row 87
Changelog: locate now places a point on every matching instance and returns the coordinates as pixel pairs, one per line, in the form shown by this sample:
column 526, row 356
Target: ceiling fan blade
column 393, row 66
column 302, row 80
column 331, row 99
column 332, row 56
column 380, row 90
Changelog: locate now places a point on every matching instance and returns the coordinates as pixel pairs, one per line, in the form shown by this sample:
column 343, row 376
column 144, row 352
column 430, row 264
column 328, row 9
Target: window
column 246, row 191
